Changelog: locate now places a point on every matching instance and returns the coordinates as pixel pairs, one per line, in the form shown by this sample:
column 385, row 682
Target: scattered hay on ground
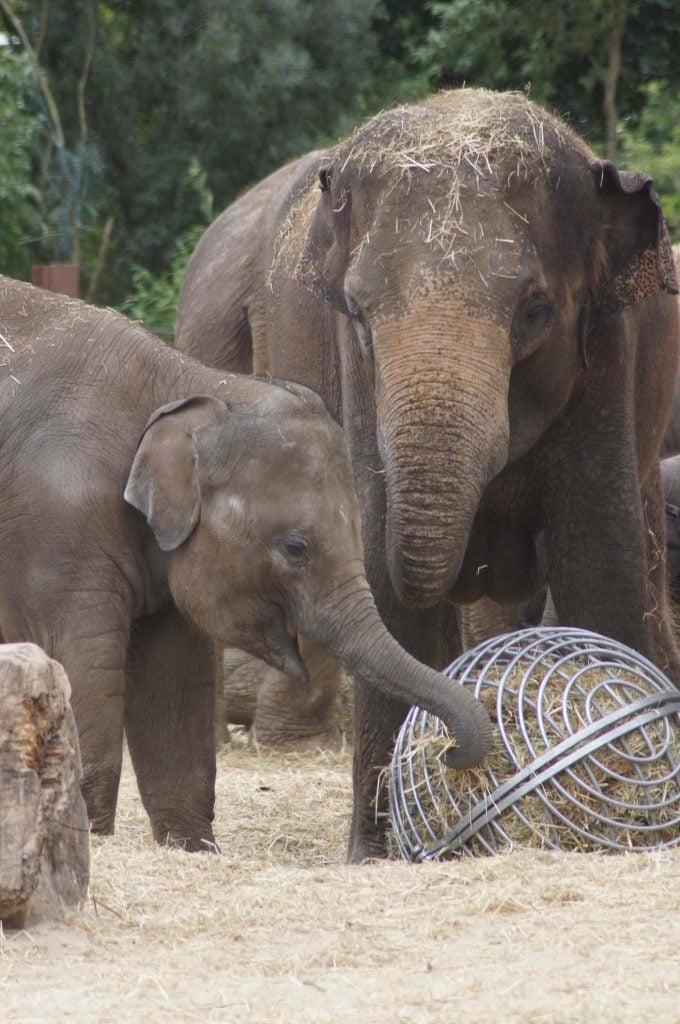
column 277, row 928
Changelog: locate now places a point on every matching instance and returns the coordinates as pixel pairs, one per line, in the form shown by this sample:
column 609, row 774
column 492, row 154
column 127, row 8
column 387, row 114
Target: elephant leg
column 667, row 651
column 486, row 618
column 433, row 637
column 169, row 709
column 599, row 565
column 222, row 734
column 241, row 676
column 88, row 634
column 293, row 714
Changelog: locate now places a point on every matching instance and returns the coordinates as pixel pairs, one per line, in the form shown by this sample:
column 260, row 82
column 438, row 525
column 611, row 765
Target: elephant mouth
column 283, row 646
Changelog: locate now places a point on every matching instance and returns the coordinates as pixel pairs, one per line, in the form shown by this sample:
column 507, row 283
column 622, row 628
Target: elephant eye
column 362, row 328
column 294, row 546
column 531, row 318
column 363, row 332
column 325, row 177
column 537, row 306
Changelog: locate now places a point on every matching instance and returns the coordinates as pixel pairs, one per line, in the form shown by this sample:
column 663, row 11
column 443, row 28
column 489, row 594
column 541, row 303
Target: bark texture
column 44, row 835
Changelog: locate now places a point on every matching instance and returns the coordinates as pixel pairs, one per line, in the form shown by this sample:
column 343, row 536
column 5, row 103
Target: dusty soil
column 278, row 929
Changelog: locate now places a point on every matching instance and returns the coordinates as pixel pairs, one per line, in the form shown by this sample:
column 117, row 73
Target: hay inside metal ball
column 586, row 756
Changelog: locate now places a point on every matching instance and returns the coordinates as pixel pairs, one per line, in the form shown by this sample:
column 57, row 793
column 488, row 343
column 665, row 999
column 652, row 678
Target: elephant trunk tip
column 472, row 728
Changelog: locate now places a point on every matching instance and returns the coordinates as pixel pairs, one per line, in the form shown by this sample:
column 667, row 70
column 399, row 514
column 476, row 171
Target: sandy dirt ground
column 277, row 929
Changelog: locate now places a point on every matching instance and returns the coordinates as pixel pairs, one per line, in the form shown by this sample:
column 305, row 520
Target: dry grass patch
column 277, row 928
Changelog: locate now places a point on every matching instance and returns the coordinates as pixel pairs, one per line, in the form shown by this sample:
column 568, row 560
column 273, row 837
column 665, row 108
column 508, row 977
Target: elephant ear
column 638, row 258
column 324, row 257
column 164, row 479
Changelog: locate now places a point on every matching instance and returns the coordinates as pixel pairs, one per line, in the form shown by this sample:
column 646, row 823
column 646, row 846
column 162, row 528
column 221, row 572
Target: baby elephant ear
column 638, row 258
column 164, row 479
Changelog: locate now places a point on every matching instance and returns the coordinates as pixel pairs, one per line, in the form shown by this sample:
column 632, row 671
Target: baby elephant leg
column 169, row 709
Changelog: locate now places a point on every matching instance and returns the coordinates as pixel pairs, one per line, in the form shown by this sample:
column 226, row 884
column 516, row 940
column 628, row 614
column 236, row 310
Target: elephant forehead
column 481, row 278
column 466, row 134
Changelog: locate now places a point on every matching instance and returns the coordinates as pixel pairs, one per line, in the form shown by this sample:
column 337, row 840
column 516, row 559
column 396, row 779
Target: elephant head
column 476, row 247
column 256, row 511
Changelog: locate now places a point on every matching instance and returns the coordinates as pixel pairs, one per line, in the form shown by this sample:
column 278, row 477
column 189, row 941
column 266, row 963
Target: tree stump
column 44, row 835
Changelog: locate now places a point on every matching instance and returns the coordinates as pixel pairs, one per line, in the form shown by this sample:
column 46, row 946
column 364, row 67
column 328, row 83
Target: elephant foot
column 183, row 839
column 368, row 835
column 279, row 710
column 102, row 827
column 296, row 738
column 221, row 733
column 101, row 796
column 363, row 849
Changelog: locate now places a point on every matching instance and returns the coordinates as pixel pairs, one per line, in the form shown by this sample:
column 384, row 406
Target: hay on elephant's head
column 458, row 134
column 623, row 793
column 293, row 229
column 453, row 147
column 442, row 152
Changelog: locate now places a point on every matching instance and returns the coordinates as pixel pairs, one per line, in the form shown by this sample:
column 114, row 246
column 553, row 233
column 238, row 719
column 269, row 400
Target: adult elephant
column 671, row 441
column 670, row 478
column 486, row 308
column 149, row 504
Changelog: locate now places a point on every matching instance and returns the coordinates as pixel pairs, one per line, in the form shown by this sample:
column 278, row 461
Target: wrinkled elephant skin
column 151, row 507
column 490, row 312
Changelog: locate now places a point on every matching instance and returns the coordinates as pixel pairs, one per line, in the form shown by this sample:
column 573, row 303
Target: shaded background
column 128, row 125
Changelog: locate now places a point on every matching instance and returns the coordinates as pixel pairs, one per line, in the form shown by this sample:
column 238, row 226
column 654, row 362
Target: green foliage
column 559, row 50
column 240, row 86
column 652, row 144
column 153, row 297
column 19, row 196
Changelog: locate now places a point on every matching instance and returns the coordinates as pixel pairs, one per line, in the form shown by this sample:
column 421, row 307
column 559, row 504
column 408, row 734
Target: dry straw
column 433, row 159
column 588, row 754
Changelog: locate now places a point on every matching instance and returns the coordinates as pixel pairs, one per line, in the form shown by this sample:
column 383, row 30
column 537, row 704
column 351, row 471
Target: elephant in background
column 260, row 697
column 135, row 530
column 671, row 442
column 670, row 477
column 489, row 311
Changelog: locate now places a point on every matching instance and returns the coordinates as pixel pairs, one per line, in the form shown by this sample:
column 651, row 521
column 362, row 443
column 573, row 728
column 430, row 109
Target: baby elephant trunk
column 367, row 651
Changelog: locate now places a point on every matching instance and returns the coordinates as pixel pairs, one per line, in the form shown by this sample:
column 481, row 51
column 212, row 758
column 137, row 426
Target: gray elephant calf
column 148, row 504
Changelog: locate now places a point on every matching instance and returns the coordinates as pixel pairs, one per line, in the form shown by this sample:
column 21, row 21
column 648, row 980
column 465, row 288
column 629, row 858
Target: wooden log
column 44, row 836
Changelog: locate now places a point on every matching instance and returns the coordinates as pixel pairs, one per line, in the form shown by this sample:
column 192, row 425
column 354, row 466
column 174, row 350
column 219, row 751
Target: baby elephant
column 150, row 506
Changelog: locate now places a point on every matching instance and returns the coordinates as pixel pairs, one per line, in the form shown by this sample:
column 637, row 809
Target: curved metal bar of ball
column 529, row 649
column 558, row 636
column 595, row 789
column 518, row 645
column 399, row 788
column 580, row 780
column 554, row 761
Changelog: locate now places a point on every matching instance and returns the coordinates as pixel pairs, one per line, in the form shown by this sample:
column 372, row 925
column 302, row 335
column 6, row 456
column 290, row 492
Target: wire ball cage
column 587, row 755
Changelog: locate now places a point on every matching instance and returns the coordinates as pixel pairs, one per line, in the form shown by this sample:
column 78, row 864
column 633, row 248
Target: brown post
column 57, row 277
column 44, row 837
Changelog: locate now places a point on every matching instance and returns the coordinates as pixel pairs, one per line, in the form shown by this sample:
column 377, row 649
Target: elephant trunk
column 355, row 634
column 443, row 434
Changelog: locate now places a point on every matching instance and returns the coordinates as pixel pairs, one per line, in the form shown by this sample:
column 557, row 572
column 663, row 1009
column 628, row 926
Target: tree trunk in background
column 44, row 834
column 619, row 14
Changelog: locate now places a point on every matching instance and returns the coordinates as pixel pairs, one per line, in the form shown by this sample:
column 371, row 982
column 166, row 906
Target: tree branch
column 38, row 72
column 612, row 73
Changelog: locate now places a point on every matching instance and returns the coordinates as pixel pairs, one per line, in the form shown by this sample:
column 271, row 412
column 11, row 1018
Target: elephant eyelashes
column 294, row 546
column 532, row 317
column 363, row 333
